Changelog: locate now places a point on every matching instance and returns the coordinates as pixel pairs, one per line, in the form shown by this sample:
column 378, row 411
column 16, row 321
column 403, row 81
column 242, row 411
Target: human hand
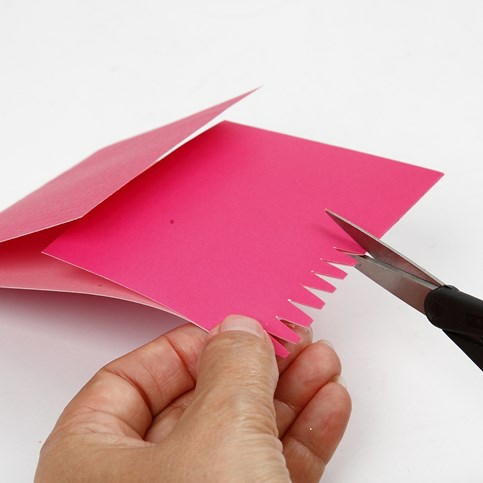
column 192, row 406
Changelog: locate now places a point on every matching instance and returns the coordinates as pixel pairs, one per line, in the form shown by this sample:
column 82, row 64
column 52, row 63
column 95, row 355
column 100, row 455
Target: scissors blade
column 382, row 252
column 410, row 289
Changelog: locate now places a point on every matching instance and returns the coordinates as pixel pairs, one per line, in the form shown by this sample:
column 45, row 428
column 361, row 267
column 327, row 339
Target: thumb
column 230, row 425
column 237, row 375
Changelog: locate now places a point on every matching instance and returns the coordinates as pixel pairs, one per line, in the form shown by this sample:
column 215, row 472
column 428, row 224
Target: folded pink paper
column 29, row 225
column 231, row 222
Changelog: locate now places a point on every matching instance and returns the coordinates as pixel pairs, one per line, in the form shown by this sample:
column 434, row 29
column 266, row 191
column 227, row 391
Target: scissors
column 458, row 314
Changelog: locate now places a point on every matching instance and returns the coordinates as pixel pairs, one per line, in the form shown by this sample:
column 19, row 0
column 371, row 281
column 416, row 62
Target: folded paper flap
column 80, row 189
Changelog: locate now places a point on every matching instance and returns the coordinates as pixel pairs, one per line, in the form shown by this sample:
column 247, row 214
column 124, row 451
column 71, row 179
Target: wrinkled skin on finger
column 190, row 406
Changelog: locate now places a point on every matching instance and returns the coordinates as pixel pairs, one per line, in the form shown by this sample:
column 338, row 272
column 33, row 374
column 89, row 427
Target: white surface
column 402, row 79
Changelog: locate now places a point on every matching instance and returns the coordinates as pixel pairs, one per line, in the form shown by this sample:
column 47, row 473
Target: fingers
column 309, row 371
column 166, row 420
column 313, row 437
column 129, row 391
column 235, row 373
column 305, row 334
column 231, row 420
column 312, row 411
column 237, row 376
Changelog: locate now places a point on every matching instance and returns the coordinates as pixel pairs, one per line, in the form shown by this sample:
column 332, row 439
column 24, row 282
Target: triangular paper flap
column 80, row 189
column 23, row 266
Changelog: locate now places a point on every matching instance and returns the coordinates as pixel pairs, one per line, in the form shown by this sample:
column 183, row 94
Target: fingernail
column 326, row 342
column 300, row 329
column 340, row 380
column 244, row 324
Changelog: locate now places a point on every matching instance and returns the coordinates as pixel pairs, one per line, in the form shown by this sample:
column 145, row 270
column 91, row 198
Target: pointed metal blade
column 380, row 251
column 410, row 289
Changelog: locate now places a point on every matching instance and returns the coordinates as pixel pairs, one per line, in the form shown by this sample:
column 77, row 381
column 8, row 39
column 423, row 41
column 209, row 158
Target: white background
column 401, row 79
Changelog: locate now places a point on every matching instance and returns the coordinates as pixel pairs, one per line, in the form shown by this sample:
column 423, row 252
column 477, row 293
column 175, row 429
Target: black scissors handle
column 460, row 316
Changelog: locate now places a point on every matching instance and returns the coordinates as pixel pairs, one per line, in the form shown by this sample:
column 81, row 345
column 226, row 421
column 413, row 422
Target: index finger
column 133, row 389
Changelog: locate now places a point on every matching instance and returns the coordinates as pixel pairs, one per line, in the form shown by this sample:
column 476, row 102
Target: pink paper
column 24, row 266
column 234, row 222
column 74, row 193
column 29, row 225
